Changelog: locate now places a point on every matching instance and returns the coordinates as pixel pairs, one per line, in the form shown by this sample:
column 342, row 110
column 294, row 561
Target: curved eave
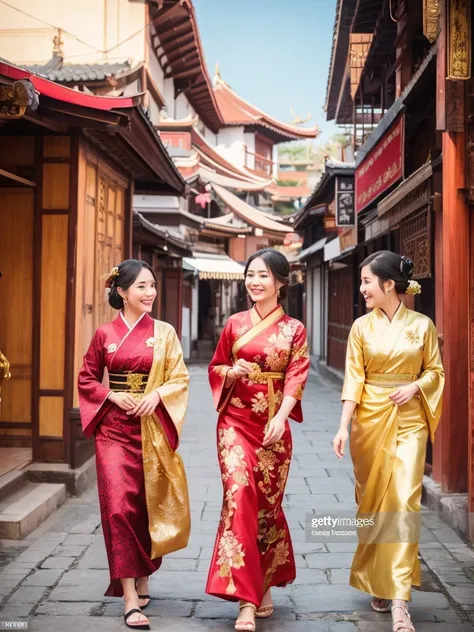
column 180, row 51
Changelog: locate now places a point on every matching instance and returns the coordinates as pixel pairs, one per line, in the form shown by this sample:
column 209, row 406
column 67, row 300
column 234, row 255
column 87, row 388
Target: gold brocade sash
column 260, row 377
column 390, row 380
column 166, row 489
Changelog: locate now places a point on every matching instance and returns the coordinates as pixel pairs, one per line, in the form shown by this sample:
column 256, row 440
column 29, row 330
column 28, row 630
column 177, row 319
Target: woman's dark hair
column 277, row 264
column 123, row 276
column 389, row 266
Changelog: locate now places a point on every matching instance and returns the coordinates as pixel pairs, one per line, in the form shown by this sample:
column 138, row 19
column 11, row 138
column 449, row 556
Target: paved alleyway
column 58, row 575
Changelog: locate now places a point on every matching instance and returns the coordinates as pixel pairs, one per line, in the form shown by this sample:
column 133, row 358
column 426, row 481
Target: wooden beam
column 166, row 14
column 15, row 178
column 179, row 51
column 184, row 74
column 176, row 31
column 455, row 271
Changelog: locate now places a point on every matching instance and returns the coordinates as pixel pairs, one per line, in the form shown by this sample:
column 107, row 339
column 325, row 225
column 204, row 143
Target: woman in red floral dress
column 257, row 377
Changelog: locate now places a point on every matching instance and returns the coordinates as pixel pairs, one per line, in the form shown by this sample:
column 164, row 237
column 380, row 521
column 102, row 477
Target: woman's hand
column 240, row 369
column 339, row 442
column 145, row 406
column 403, row 394
column 123, row 400
column 274, row 432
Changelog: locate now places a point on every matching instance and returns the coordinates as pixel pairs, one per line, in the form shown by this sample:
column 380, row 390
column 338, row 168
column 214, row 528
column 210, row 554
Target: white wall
column 183, row 108
column 231, row 144
column 249, row 140
column 100, row 24
column 151, row 202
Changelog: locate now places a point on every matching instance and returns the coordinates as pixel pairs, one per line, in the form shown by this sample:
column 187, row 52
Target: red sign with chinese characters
column 382, row 167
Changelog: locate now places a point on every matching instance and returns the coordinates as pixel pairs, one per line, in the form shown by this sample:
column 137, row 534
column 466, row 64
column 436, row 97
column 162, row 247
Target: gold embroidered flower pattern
column 273, row 483
column 412, row 336
column 152, row 342
column 259, row 403
column 299, row 352
column 298, row 394
column 237, row 402
column 112, row 347
column 230, row 553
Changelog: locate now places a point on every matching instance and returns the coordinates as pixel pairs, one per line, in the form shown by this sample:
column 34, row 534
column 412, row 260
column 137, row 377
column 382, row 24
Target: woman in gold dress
column 393, row 392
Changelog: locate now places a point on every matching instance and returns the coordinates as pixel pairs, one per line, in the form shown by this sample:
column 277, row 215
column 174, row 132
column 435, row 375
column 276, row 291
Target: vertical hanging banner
column 382, row 167
column 345, row 203
column 459, row 40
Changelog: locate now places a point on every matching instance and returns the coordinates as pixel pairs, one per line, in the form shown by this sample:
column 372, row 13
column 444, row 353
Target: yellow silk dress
column 388, row 443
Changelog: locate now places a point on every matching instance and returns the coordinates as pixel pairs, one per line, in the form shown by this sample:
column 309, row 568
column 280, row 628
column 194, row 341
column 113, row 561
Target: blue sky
column 274, row 53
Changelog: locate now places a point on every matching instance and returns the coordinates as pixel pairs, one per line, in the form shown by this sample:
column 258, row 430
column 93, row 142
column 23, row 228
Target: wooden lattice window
column 415, row 240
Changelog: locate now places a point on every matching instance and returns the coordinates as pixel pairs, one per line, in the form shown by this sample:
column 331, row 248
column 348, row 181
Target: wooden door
column 16, row 309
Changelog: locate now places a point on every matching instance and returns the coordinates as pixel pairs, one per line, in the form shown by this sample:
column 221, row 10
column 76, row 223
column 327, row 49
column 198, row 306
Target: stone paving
column 55, row 579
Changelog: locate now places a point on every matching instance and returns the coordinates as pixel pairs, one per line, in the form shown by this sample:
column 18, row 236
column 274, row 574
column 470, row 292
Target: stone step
column 22, row 511
column 11, row 481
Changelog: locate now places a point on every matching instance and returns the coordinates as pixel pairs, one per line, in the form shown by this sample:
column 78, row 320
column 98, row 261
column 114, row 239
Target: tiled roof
column 71, row 73
column 237, row 111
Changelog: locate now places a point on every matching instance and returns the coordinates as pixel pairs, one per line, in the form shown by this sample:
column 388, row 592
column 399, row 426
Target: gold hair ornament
column 109, row 277
column 413, row 288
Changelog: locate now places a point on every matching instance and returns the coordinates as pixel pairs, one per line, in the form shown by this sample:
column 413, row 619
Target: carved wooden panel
column 415, row 241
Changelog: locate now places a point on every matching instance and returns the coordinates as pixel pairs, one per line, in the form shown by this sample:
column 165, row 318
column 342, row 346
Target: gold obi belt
column 128, row 382
column 260, row 377
column 390, row 380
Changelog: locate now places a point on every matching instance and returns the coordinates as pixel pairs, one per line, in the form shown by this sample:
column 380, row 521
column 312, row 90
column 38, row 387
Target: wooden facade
column 61, row 229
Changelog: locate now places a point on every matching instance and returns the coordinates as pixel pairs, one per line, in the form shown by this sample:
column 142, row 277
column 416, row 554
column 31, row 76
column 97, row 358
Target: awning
column 217, row 267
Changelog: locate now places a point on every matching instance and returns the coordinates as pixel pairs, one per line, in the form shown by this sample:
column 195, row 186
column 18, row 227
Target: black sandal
column 137, row 626
column 145, row 597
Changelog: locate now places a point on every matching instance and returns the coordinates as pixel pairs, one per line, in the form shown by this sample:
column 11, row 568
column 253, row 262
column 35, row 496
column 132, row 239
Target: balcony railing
column 259, row 163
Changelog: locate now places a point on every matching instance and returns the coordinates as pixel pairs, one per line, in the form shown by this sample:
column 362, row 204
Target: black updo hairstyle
column 278, row 266
column 128, row 272
column 388, row 266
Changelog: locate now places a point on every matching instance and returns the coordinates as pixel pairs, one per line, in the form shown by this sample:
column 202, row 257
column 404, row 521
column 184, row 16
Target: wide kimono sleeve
column 220, row 365
column 354, row 377
column 93, row 402
column 296, row 373
column 431, row 381
column 174, row 390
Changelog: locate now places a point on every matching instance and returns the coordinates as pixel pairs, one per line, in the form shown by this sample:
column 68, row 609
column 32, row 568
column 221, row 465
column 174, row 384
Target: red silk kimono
column 130, row 452
column 253, row 549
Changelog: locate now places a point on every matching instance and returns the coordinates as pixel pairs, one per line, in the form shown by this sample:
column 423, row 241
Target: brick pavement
column 55, row 578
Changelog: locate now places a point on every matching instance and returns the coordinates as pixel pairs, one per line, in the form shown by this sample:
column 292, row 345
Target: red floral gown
column 253, row 549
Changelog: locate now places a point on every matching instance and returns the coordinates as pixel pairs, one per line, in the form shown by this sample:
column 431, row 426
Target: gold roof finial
column 297, row 120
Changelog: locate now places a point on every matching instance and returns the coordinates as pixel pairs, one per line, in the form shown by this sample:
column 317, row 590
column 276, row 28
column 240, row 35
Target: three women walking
column 136, row 422
column 392, row 392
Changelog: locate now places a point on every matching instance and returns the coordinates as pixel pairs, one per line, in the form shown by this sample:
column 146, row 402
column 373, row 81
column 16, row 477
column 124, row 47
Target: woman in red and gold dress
column 136, row 424
column 257, row 377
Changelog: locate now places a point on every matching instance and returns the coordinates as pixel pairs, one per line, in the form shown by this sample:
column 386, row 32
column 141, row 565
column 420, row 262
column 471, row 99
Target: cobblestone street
column 57, row 576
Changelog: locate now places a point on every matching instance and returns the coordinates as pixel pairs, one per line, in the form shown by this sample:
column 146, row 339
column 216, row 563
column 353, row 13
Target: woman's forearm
column 229, row 378
column 348, row 409
column 287, row 406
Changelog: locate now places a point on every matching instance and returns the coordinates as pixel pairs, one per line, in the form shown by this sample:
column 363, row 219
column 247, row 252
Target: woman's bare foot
column 266, row 608
column 380, row 605
column 246, row 619
column 137, row 618
column 401, row 618
column 142, row 589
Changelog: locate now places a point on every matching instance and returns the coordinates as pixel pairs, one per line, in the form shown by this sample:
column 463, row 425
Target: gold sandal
column 242, row 625
column 264, row 612
column 401, row 626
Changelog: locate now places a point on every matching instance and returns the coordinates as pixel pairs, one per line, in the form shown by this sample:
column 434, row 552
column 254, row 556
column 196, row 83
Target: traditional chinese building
column 69, row 165
column 400, row 75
